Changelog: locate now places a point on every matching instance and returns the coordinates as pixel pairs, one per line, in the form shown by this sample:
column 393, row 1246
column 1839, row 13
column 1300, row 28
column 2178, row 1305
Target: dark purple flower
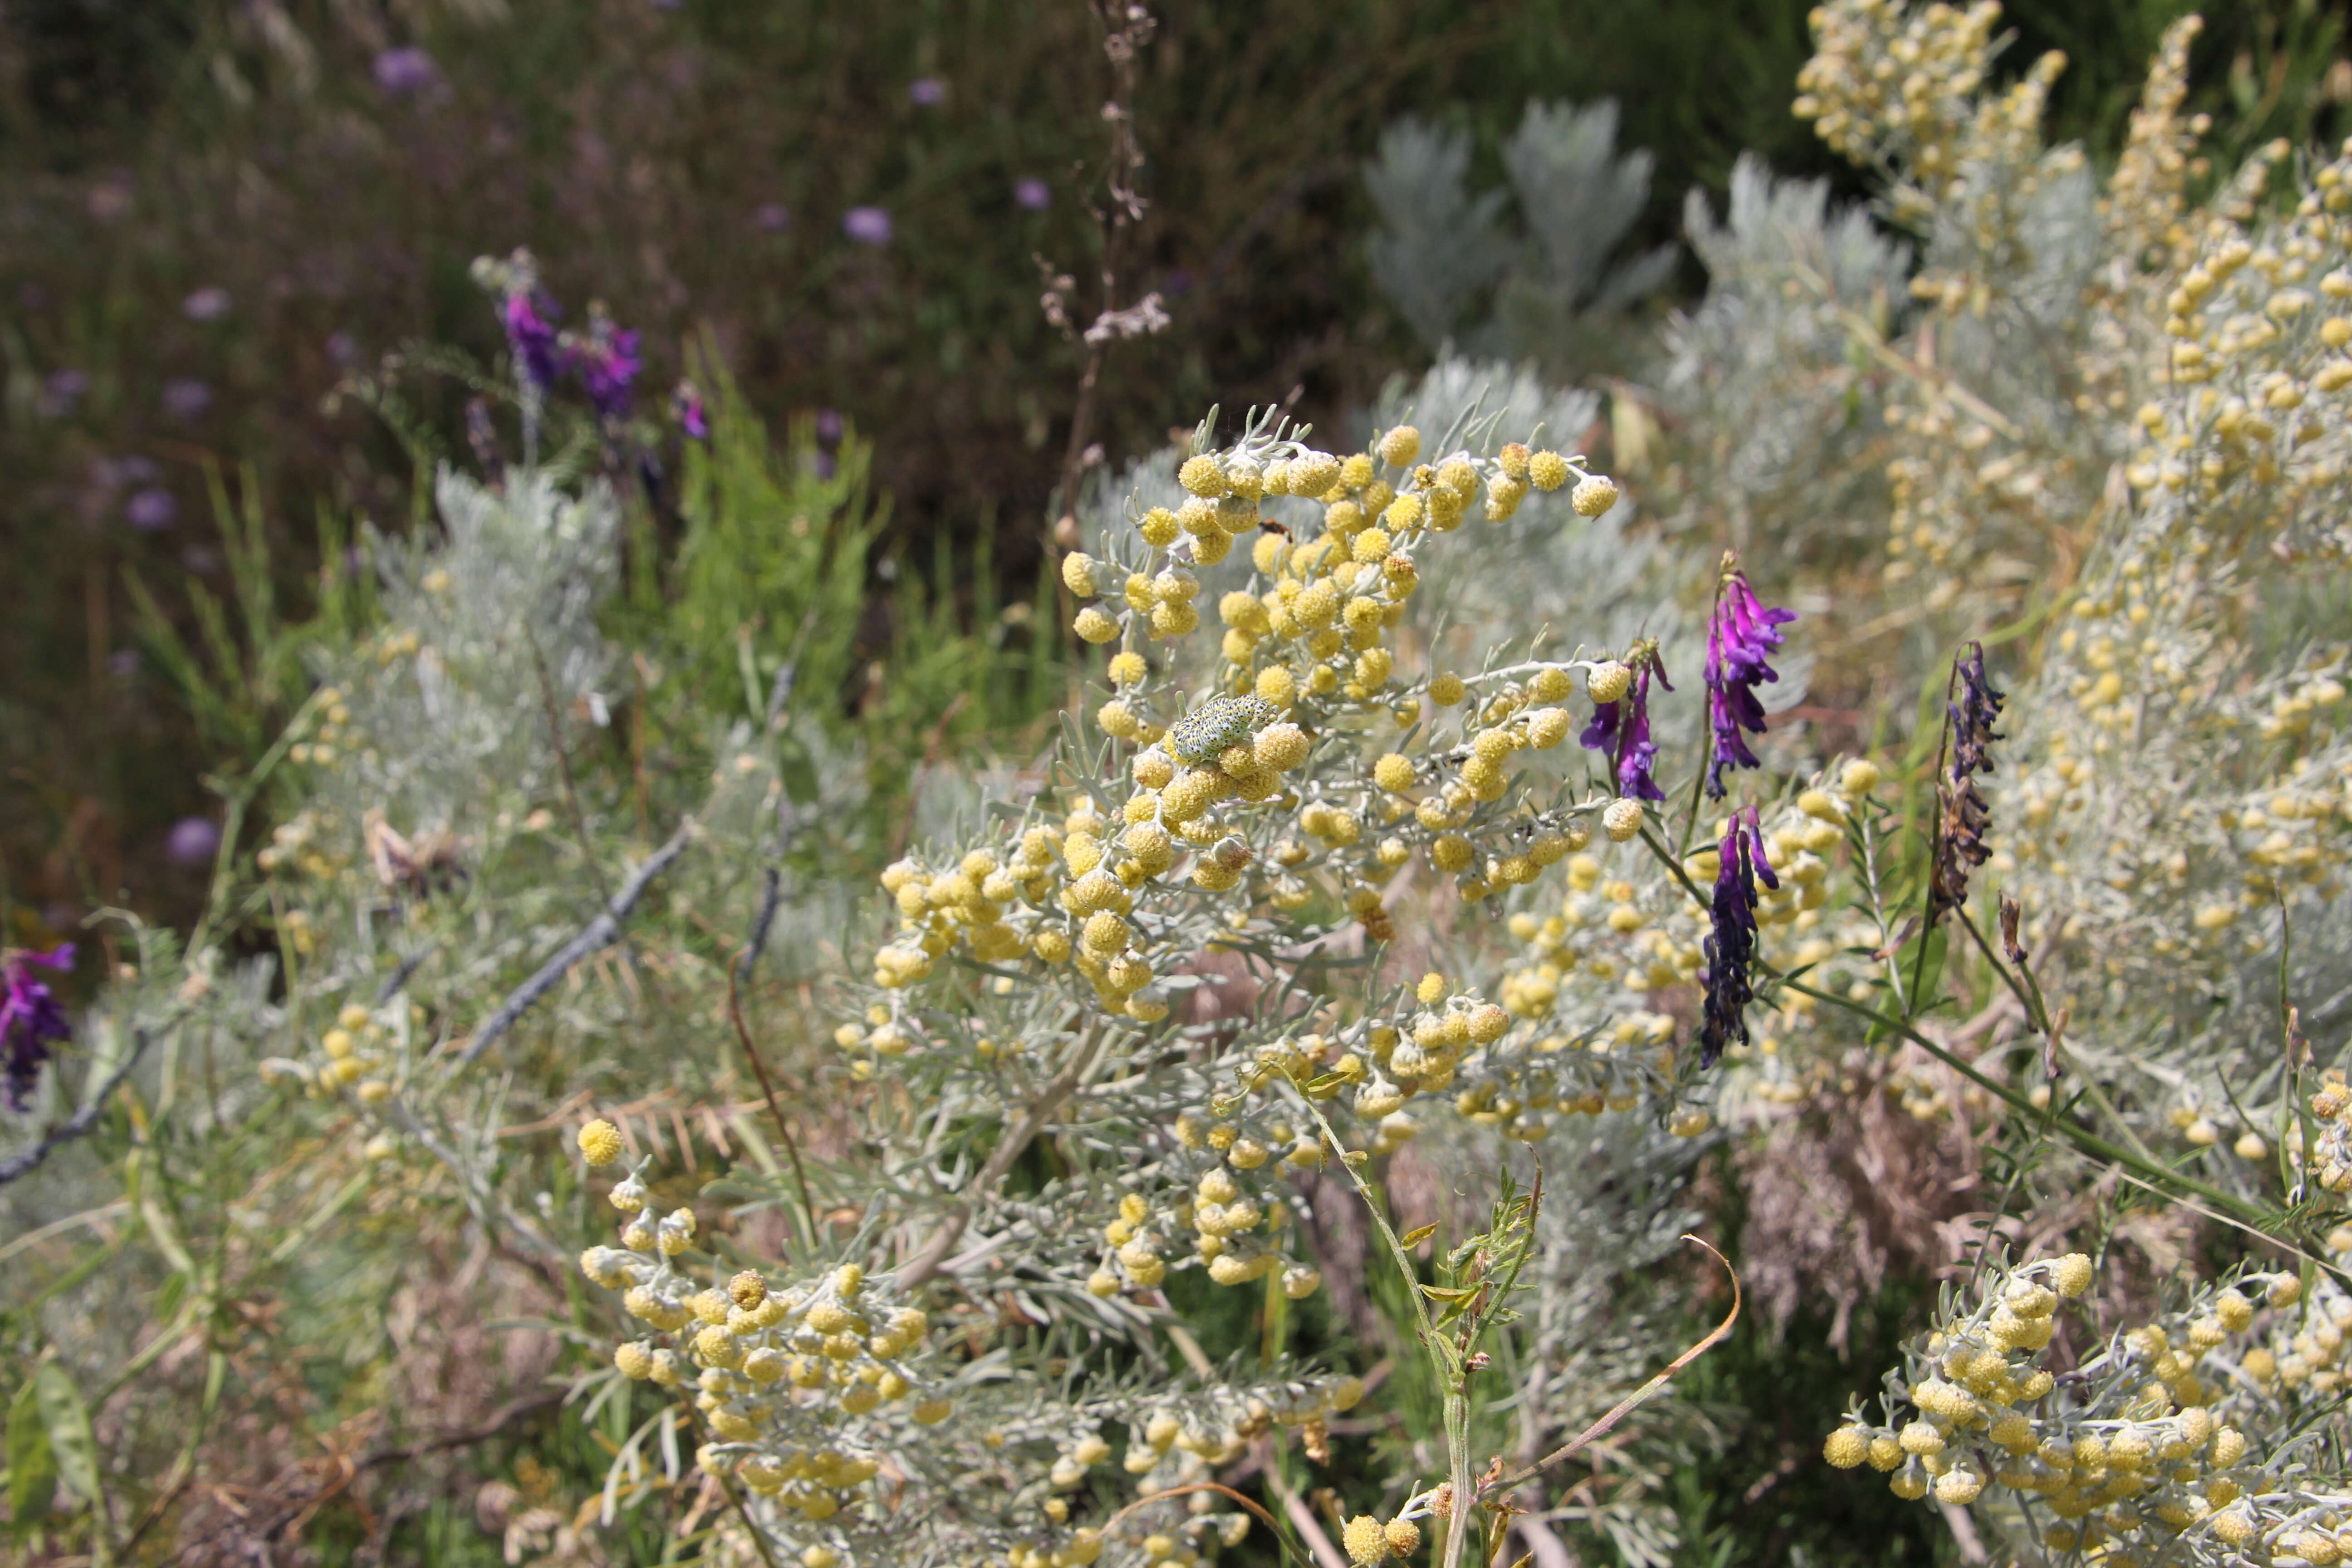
column 206, row 304
column 1962, row 815
column 61, row 392
column 531, row 333
column 1741, row 636
column 927, row 92
column 1034, row 194
column 1621, row 730
column 771, row 217
column 1732, row 946
column 343, row 349
column 187, row 398
column 151, row 509
column 828, row 427
column 194, row 840
column 821, row 465
column 405, row 71
column 686, row 408
column 606, row 358
column 867, row 226
column 30, row 1021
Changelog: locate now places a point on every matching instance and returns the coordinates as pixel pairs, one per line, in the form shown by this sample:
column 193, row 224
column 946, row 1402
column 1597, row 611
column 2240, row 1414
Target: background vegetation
column 239, row 333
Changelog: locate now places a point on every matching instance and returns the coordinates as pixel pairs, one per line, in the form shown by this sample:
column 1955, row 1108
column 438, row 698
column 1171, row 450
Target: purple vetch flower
column 1962, row 815
column 531, row 333
column 686, row 408
column 1731, row 947
column 1621, row 730
column 927, row 92
column 186, row 399
column 193, row 841
column 30, row 1021
column 1032, row 192
column 771, row 217
column 867, row 226
column 206, row 304
column 406, row 71
column 606, row 357
column 151, row 510
column 1741, row 636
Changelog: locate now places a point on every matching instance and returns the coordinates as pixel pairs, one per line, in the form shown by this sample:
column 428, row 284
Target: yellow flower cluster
column 1904, row 89
column 358, row 1053
column 329, row 726
column 799, row 1387
column 2155, row 1441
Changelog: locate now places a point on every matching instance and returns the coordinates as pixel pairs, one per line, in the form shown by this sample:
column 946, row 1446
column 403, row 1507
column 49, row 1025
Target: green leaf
column 32, row 1466
column 1415, row 1237
column 1449, row 1292
column 66, row 1419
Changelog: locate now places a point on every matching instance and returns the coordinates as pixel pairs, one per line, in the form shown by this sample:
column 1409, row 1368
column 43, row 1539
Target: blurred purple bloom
column 606, row 358
column 187, row 398
column 1740, row 638
column 343, row 349
column 1732, row 946
column 927, row 91
column 1032, row 192
column 61, row 390
column 531, row 333
column 30, row 1020
column 771, row 217
column 828, row 427
column 123, row 661
column 193, row 841
column 206, row 304
column 405, row 71
column 1621, row 730
column 821, row 465
column 867, row 226
column 152, row 510
column 686, row 408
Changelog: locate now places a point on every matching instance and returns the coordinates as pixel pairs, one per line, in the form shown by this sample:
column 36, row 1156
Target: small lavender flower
column 1621, row 728
column 867, row 226
column 61, row 392
column 406, row 71
column 206, row 304
column 193, row 841
column 1741, row 636
column 531, row 333
column 186, row 399
column 606, row 358
column 151, row 510
column 1032, row 192
column 686, row 408
column 771, row 217
column 1732, row 946
column 30, row 1021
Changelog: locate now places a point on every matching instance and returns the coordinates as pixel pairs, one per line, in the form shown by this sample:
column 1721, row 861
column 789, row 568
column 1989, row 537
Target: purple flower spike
column 1621, row 730
column 30, row 1021
column 1732, row 947
column 1741, row 636
column 607, row 357
column 531, row 333
column 867, row 226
